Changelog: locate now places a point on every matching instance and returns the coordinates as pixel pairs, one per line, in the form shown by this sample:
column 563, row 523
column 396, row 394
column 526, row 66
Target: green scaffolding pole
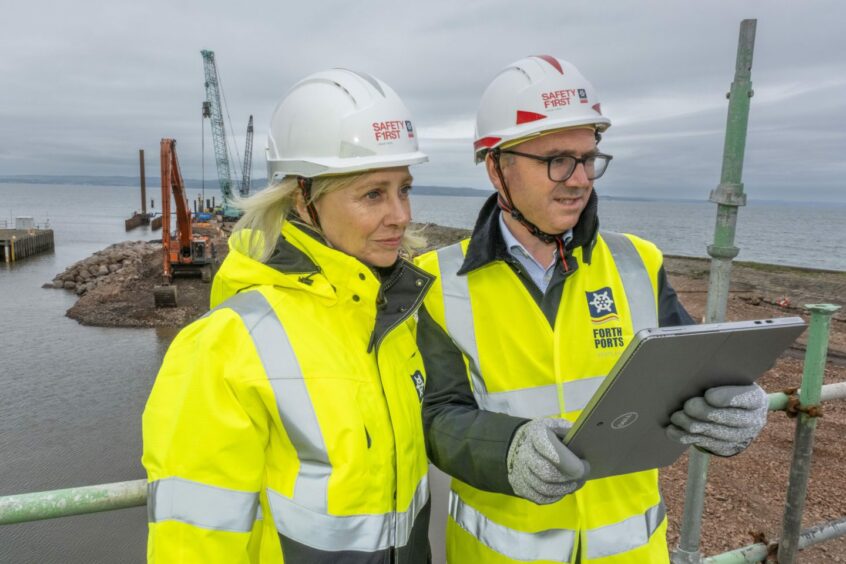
column 72, row 501
column 811, row 395
column 779, row 400
column 806, row 423
column 728, row 196
column 759, row 552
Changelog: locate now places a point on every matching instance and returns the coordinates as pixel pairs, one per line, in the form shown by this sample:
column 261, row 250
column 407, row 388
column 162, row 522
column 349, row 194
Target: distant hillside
column 450, row 191
column 131, row 181
column 153, row 181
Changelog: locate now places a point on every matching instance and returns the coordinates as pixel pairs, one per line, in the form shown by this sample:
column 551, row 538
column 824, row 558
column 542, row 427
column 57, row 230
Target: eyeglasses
column 561, row 167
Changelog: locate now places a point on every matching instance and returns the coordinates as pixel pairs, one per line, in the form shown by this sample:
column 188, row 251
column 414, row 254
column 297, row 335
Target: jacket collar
column 395, row 292
column 290, row 259
column 487, row 243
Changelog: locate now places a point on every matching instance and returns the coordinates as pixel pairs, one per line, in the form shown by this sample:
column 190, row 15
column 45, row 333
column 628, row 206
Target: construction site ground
column 745, row 494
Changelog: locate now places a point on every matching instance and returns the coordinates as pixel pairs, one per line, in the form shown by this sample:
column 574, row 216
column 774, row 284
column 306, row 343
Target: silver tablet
column 621, row 429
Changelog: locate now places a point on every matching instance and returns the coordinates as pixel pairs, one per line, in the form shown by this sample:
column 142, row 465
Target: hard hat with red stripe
column 531, row 96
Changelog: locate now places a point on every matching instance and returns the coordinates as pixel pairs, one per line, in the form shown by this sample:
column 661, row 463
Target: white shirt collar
column 513, row 245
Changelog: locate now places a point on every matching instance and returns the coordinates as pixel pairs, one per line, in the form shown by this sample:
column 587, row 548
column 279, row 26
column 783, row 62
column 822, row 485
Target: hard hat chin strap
column 506, row 204
column 305, row 188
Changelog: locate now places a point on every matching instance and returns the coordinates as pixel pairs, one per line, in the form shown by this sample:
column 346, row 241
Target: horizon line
column 67, row 180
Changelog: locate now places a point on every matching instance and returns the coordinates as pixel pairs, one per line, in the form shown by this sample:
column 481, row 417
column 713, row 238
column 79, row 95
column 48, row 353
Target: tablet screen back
column 621, row 430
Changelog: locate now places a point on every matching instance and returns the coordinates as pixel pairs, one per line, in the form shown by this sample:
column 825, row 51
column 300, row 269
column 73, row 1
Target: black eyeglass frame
column 576, row 162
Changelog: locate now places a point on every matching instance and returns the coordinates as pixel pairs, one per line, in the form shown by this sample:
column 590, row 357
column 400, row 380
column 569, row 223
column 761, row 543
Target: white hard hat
column 340, row 121
column 536, row 94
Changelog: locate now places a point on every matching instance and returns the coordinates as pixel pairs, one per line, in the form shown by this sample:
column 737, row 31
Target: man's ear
column 490, row 167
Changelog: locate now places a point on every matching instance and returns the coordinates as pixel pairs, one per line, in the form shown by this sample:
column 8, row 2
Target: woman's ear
column 299, row 205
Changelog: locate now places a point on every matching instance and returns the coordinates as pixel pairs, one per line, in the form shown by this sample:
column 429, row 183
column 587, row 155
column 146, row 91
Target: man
column 525, row 320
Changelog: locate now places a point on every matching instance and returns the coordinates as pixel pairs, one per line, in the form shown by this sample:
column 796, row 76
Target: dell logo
column 624, row 420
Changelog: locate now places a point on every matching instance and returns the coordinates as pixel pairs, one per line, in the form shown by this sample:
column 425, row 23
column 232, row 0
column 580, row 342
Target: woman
column 285, row 423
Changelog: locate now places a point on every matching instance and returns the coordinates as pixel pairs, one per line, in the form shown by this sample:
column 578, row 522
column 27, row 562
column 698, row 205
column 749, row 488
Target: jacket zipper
column 381, row 301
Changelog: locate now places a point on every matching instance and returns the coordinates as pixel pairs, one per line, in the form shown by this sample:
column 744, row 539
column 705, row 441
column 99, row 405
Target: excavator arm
column 180, row 198
column 182, row 251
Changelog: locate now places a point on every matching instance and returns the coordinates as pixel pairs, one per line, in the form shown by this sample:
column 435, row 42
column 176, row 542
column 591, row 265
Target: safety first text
column 388, row 130
column 558, row 98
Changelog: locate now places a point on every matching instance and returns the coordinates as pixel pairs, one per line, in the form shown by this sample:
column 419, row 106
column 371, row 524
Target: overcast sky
column 85, row 84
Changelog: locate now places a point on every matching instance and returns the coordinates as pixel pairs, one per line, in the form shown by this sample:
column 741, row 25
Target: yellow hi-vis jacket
column 519, row 364
column 284, row 425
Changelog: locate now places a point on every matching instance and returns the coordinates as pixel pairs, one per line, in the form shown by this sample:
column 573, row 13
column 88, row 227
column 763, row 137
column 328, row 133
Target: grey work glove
column 540, row 468
column 723, row 422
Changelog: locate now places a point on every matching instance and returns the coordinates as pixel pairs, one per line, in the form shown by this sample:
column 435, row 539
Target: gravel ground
column 745, row 494
column 125, row 298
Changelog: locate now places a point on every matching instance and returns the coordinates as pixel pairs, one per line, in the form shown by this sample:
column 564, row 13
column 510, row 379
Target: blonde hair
column 267, row 210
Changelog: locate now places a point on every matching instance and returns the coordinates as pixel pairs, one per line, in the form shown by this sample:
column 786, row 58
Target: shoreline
column 123, row 297
column 763, row 265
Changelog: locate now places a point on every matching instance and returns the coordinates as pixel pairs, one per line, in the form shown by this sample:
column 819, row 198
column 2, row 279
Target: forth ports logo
column 602, row 305
column 603, row 310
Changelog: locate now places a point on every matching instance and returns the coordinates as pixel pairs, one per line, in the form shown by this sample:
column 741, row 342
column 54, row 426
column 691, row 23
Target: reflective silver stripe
column 626, row 535
column 458, row 315
column 530, row 403
column 367, row 533
column 577, row 393
column 292, row 399
column 635, row 280
column 557, row 544
column 304, row 517
column 554, row 545
column 201, row 505
column 542, row 401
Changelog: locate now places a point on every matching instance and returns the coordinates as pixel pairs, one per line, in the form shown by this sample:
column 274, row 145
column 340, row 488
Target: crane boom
column 248, row 160
column 215, row 114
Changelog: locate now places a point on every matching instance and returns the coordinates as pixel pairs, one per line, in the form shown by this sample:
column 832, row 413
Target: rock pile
column 100, row 267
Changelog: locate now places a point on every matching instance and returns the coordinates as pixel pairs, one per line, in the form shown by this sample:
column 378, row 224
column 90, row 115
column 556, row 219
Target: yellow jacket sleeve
column 205, row 431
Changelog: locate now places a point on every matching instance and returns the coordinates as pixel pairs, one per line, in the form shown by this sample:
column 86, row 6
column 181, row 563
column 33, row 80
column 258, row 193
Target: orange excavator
column 184, row 253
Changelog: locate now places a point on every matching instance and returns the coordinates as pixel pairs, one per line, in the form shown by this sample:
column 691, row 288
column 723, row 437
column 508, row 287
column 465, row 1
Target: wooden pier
column 137, row 220
column 16, row 244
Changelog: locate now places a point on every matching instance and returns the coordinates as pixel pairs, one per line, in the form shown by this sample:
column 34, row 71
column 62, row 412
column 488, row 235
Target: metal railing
column 729, row 197
column 807, row 409
column 120, row 495
column 38, row 506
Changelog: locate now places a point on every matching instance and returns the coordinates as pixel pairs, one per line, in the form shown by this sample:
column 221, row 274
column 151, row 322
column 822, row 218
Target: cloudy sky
column 85, row 84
